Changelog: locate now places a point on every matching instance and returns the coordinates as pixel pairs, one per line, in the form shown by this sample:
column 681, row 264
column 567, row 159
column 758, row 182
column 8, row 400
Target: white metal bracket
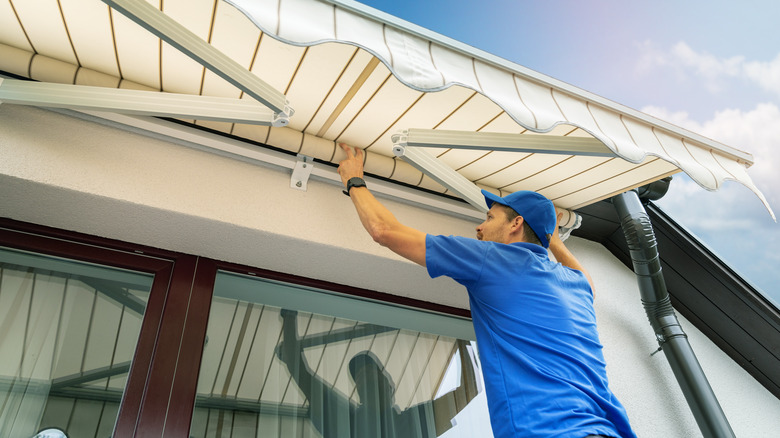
column 301, row 172
column 565, row 227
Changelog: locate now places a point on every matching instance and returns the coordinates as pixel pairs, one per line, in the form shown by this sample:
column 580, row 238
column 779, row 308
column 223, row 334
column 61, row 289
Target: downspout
column 670, row 335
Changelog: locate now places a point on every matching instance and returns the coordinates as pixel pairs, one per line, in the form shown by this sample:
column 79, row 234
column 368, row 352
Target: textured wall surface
column 87, row 177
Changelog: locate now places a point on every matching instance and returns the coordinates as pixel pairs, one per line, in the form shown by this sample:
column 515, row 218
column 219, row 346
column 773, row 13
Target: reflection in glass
column 272, row 372
column 68, row 332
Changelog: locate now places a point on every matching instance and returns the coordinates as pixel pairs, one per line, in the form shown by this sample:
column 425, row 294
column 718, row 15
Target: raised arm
column 566, row 258
column 290, row 352
column 327, row 407
column 383, row 227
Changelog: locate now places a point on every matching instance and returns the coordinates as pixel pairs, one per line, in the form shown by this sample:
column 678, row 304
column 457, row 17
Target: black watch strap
column 354, row 182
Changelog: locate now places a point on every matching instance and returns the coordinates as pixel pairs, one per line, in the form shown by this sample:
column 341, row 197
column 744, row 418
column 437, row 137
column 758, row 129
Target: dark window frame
column 162, row 382
column 169, row 270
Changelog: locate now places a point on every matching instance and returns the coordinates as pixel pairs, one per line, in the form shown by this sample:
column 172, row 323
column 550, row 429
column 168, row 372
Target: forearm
column 292, row 355
column 375, row 217
column 385, row 229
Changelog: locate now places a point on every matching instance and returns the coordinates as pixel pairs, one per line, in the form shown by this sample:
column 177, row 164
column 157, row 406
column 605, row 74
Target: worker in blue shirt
column 542, row 362
column 376, row 415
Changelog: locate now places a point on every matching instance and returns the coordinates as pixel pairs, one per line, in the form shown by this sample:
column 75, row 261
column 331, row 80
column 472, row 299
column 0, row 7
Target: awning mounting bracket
column 301, row 172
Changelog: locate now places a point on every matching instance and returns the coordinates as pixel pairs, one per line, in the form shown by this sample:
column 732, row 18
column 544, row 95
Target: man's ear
column 517, row 224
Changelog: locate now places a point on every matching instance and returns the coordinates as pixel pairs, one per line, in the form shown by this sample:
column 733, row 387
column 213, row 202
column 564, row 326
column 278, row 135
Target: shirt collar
column 538, row 249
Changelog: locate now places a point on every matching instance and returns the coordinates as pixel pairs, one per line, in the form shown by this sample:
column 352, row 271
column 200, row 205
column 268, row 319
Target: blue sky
column 709, row 66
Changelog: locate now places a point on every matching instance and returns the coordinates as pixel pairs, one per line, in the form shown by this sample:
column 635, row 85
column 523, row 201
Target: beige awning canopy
column 355, row 75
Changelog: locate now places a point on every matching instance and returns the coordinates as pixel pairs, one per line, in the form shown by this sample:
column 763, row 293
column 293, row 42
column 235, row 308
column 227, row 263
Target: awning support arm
column 170, row 31
column 461, row 186
column 547, row 144
column 669, row 334
column 443, row 174
column 137, row 102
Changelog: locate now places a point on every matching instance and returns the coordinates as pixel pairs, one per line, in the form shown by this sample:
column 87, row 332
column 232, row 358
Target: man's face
column 496, row 226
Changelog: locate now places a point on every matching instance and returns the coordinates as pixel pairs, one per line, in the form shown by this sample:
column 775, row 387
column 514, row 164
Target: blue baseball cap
column 535, row 209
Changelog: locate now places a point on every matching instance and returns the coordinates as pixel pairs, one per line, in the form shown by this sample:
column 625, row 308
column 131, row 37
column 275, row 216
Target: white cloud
column 713, row 72
column 732, row 220
column 766, row 74
column 706, row 66
column 732, row 208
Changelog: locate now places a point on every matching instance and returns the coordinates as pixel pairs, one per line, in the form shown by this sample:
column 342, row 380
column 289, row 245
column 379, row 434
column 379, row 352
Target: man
column 376, row 415
column 544, row 372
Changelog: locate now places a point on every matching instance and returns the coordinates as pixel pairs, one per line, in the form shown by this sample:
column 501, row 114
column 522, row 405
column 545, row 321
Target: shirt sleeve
column 459, row 258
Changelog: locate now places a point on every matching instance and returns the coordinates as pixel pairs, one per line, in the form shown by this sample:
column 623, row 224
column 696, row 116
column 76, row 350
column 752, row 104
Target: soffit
column 357, row 76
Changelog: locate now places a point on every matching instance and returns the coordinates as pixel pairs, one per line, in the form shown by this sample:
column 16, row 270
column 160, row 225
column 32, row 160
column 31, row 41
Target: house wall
column 78, row 175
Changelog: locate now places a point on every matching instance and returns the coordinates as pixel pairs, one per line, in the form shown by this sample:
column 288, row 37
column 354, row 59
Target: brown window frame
column 151, row 362
column 162, row 381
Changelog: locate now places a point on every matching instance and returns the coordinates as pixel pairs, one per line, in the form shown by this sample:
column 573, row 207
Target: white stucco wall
column 77, row 175
column 645, row 384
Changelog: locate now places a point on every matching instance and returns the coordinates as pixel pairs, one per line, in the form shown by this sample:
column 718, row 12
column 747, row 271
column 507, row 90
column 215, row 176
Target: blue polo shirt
column 541, row 357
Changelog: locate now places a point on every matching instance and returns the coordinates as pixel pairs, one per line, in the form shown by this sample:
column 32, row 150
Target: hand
column 556, row 236
column 352, row 166
column 287, row 313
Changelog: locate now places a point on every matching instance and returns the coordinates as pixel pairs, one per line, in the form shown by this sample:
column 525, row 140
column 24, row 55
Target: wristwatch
column 354, row 182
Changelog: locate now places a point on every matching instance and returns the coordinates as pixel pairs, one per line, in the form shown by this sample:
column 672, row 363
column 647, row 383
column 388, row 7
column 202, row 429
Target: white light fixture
column 164, row 27
column 137, row 102
column 547, row 144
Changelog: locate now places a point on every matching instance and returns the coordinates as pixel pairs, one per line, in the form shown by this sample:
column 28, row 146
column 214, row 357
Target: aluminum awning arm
column 549, row 144
column 408, row 145
column 138, row 102
column 178, row 36
column 443, row 174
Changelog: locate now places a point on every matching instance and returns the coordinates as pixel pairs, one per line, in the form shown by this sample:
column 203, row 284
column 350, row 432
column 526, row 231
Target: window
column 285, row 360
column 68, row 334
column 106, row 338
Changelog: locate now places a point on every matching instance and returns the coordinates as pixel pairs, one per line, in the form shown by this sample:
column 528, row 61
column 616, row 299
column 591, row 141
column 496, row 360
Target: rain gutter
column 671, row 338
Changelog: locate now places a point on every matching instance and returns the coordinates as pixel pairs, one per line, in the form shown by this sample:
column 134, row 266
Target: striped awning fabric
column 355, row 75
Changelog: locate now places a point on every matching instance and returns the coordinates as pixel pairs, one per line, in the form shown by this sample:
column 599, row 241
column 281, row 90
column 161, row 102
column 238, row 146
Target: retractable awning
column 359, row 76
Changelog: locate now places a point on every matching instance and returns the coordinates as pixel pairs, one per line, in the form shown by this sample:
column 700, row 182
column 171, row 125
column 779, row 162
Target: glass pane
column 282, row 360
column 68, row 332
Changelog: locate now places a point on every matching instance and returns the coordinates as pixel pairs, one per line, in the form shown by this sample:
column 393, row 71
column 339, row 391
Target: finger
column 359, row 154
column 347, row 150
